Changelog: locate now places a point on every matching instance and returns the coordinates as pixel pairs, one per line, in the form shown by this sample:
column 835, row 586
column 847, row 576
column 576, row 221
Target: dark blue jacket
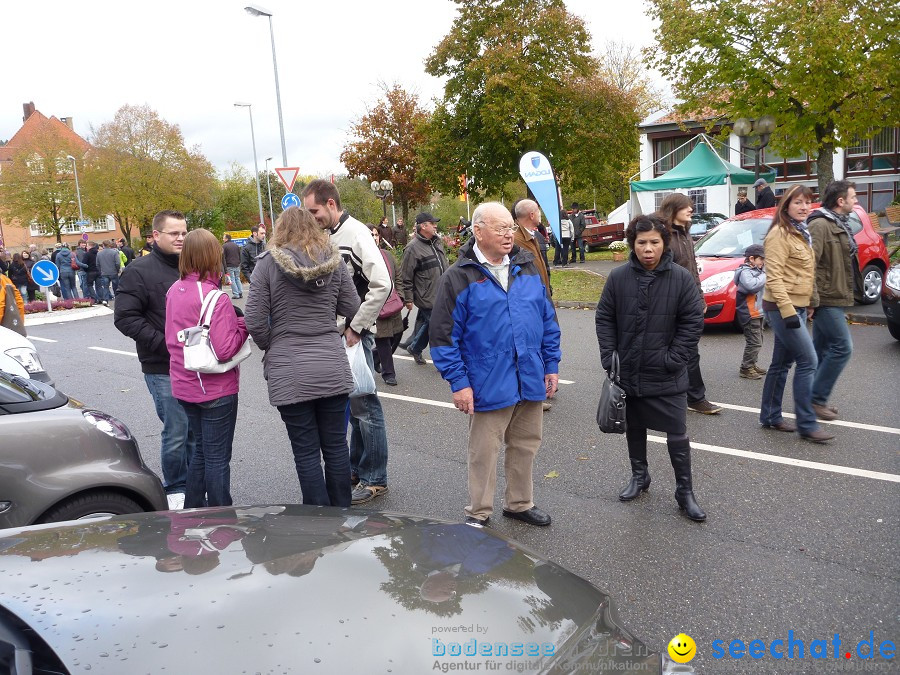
column 500, row 343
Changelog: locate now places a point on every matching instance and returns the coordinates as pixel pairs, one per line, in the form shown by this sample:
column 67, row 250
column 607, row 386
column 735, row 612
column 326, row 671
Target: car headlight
column 108, row 424
column 716, row 282
column 27, row 357
column 892, row 278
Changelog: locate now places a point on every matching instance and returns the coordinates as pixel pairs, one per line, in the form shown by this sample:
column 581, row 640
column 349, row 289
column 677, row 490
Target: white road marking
column 34, row 337
column 114, row 351
column 759, row 456
column 839, row 423
column 834, row 468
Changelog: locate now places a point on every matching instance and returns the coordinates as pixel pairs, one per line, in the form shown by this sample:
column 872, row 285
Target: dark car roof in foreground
column 296, row 588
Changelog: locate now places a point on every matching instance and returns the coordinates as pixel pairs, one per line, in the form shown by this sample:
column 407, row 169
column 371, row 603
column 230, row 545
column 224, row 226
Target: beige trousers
column 519, row 427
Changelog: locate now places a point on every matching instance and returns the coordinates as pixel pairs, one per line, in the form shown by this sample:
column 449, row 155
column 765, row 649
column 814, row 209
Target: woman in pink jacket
column 210, row 400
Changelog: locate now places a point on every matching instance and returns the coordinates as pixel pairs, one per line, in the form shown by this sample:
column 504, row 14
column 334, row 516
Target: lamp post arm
column 278, row 95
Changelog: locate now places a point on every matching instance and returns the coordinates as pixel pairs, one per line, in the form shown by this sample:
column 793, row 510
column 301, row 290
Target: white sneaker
column 176, row 501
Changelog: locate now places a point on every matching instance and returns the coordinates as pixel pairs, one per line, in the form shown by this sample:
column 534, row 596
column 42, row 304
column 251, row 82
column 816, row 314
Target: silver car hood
column 301, row 588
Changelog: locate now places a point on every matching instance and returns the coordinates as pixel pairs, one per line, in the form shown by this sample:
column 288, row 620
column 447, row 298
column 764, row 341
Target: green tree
column 141, row 166
column 827, row 70
column 358, row 199
column 384, row 146
column 38, row 185
column 235, row 197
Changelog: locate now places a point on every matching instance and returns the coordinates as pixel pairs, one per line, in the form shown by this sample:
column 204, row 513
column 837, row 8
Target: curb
column 66, row 315
column 568, row 304
column 870, row 319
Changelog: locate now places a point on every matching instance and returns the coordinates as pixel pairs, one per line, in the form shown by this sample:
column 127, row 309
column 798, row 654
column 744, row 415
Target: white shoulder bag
column 199, row 355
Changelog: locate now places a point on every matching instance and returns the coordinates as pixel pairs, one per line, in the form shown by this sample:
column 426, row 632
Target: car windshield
column 732, row 237
column 15, row 389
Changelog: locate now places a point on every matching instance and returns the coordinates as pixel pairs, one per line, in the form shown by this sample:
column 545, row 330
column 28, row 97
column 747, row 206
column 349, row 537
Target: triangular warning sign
column 288, row 175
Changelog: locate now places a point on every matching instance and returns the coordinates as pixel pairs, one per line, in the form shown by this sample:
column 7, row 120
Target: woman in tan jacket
column 790, row 285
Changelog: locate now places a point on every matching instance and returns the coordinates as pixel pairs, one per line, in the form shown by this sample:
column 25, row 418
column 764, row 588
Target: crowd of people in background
column 327, row 282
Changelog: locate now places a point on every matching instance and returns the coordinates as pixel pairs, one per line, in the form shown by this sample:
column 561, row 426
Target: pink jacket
column 227, row 333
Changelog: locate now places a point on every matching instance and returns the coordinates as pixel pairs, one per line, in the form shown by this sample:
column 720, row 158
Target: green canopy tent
column 703, row 168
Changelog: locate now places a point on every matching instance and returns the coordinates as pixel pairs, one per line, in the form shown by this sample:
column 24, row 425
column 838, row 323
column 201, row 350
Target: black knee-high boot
column 680, row 454
column 637, row 453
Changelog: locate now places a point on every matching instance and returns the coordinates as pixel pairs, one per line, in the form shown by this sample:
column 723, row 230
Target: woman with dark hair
column 209, row 400
column 389, row 330
column 651, row 314
column 18, row 274
column 676, row 210
column 790, row 283
column 30, row 284
column 299, row 286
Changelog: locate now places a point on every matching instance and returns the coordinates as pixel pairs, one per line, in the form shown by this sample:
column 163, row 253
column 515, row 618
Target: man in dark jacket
column 92, row 271
column 765, row 198
column 578, row 223
column 255, row 245
column 743, row 205
column 496, row 340
column 140, row 313
column 424, row 261
column 836, row 251
column 231, row 253
column 127, row 250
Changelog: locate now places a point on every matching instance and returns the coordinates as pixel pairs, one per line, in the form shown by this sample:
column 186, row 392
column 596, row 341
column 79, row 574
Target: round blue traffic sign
column 290, row 199
column 44, row 273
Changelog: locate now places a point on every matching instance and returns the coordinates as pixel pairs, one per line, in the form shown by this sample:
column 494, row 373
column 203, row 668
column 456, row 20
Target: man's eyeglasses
column 503, row 231
column 176, row 235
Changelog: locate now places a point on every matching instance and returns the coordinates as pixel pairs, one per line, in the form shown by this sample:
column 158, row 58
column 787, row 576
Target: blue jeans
column 67, row 285
column 578, row 245
column 318, row 431
column 86, row 290
column 791, row 345
column 419, row 340
column 833, row 344
column 234, row 273
column 368, row 435
column 177, row 441
column 209, row 471
column 103, row 291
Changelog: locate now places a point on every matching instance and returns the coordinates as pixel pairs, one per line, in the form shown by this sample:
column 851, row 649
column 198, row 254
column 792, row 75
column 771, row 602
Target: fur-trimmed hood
column 303, row 270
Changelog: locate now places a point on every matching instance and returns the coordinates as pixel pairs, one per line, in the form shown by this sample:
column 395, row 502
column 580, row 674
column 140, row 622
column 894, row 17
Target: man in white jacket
column 368, row 440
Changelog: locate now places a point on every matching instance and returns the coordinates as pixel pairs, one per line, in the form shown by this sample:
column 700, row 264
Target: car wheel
column 872, row 279
column 894, row 327
column 91, row 505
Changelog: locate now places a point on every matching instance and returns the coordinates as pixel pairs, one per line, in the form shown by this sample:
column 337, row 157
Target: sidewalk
column 65, row 315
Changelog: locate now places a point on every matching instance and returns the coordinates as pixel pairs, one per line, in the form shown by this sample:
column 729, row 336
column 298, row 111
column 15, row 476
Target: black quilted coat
column 654, row 320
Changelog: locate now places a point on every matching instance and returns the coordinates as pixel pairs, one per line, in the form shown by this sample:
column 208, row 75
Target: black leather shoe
column 783, row 425
column 533, row 516
column 389, row 380
column 476, row 522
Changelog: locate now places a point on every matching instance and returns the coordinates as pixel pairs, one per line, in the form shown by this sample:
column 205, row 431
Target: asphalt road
column 809, row 547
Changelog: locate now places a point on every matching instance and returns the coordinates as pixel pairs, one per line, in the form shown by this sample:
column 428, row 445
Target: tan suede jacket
column 790, row 271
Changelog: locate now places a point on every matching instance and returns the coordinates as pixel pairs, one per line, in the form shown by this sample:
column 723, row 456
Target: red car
column 721, row 251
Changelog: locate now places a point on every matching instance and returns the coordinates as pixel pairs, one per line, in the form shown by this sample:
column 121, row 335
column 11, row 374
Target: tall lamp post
column 256, row 10
column 763, row 127
column 262, row 217
column 269, row 186
column 77, row 186
column 382, row 191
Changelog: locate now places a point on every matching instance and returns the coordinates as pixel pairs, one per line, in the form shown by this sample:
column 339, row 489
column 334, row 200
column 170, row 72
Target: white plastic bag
column 363, row 381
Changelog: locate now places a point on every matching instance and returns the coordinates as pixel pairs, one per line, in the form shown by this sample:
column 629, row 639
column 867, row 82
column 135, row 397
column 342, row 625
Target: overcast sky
column 191, row 60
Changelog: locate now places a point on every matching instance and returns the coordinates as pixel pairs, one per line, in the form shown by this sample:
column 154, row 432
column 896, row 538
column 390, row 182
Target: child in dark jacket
column 750, row 280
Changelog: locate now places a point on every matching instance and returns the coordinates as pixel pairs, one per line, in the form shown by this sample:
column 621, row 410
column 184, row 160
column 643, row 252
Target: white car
column 19, row 357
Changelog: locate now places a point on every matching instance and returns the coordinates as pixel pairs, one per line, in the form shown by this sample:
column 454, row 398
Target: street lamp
column 256, row 10
column 763, row 128
column 382, row 191
column 77, row 187
column 269, row 185
column 262, row 217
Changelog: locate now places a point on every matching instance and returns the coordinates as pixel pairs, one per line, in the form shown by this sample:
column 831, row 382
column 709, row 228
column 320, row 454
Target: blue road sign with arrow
column 290, row 199
column 45, row 273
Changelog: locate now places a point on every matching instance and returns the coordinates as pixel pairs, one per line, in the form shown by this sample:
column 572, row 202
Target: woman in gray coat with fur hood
column 298, row 288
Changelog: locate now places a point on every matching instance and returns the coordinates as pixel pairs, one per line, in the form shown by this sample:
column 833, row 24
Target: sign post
column 290, row 199
column 45, row 274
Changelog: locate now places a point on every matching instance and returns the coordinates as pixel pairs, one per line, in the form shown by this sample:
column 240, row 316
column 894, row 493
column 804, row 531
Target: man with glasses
column 424, row 261
column 140, row 313
column 496, row 340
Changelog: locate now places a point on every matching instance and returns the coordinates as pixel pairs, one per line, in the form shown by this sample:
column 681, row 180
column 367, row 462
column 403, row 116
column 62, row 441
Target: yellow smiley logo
column 682, row 648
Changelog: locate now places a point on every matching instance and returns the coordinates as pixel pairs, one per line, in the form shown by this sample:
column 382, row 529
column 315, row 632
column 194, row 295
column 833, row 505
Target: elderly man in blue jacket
column 495, row 339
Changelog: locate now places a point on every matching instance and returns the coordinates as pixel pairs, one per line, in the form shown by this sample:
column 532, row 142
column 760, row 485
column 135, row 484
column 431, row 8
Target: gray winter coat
column 291, row 315
column 109, row 261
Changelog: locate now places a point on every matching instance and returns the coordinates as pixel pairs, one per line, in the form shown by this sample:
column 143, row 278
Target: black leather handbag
column 611, row 410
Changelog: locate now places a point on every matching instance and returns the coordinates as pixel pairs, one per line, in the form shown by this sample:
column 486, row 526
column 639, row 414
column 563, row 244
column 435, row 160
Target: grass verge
column 576, row 286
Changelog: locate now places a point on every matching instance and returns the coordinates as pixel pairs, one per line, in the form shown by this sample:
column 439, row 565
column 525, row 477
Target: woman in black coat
column 651, row 314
